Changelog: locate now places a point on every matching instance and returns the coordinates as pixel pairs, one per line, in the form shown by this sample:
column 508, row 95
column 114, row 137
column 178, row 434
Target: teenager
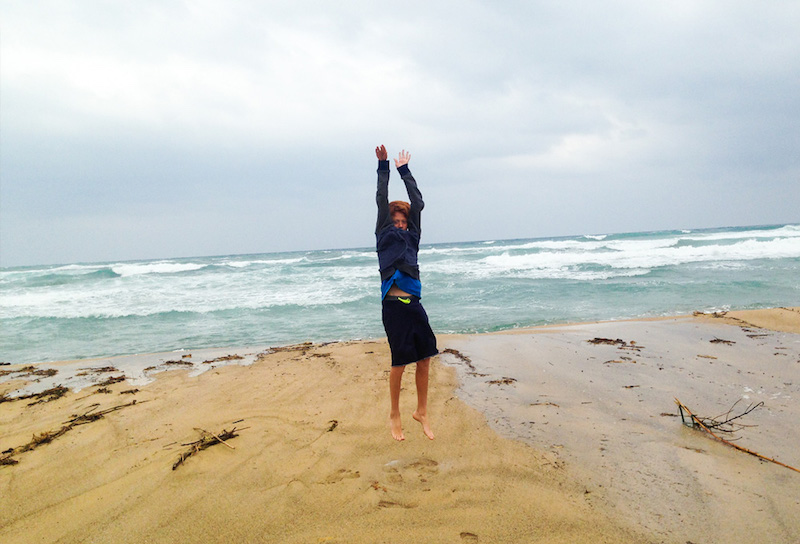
column 411, row 339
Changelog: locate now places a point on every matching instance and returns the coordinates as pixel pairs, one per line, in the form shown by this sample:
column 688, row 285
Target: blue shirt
column 404, row 282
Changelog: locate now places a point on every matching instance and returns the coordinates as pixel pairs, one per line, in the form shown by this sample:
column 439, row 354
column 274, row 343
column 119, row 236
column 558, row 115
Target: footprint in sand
column 405, row 473
column 418, row 469
column 341, row 474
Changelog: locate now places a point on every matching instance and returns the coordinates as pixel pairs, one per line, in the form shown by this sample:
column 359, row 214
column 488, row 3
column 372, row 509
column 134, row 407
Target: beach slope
column 312, row 461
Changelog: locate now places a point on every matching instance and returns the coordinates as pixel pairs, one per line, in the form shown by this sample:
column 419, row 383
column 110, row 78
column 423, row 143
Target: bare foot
column 426, row 428
column 397, row 428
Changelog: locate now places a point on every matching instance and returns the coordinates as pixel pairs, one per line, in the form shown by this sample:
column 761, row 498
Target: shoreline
column 520, row 459
column 141, row 368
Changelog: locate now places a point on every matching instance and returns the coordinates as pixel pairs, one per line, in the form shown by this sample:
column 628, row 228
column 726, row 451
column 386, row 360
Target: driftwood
column 700, row 423
column 48, row 436
column 207, row 440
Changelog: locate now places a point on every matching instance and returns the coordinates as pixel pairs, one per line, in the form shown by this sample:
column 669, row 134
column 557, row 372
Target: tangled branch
column 727, row 424
column 697, row 423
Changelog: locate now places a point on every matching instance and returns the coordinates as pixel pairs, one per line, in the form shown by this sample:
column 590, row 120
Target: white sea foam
column 164, row 267
column 788, row 231
column 633, row 255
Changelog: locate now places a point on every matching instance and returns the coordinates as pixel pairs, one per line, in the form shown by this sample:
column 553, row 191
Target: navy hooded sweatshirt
column 397, row 248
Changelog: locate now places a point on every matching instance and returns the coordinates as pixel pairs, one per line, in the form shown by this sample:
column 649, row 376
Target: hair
column 399, row 206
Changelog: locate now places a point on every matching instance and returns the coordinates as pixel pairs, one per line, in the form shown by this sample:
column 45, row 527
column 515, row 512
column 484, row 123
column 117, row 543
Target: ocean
column 88, row 310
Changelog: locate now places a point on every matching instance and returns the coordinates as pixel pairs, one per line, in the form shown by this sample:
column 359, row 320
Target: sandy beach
column 541, row 436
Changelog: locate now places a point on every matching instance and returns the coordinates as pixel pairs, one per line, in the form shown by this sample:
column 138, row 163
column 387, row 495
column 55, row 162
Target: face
column 400, row 220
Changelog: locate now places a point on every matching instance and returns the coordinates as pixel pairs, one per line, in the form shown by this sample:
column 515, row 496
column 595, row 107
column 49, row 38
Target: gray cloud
column 162, row 129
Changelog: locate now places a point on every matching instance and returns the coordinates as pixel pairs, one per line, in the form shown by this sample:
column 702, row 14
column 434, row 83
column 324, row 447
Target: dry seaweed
column 706, row 424
column 91, row 415
column 112, row 380
column 224, row 358
column 608, row 341
column 48, row 436
column 721, row 341
column 207, row 440
column 712, row 314
column 96, row 370
column 502, row 381
column 44, row 396
column 179, row 363
column 461, row 357
column 302, row 348
column 621, row 344
column 30, row 370
column 305, row 346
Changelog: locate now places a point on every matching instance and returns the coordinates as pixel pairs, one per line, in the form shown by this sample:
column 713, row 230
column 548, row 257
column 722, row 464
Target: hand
column 402, row 158
column 380, row 152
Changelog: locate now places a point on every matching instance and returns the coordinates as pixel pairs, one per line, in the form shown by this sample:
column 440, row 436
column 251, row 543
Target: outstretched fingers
column 402, row 158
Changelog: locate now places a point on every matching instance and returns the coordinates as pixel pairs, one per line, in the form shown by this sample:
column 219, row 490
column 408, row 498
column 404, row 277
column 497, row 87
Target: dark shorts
column 410, row 336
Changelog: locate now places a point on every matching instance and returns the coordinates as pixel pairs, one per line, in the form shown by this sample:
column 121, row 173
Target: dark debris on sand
column 621, row 344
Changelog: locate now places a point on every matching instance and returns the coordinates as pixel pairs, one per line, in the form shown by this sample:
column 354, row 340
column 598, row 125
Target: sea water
column 89, row 310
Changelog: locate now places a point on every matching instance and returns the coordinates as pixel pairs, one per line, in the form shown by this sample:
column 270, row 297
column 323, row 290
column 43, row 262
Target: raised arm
column 382, row 195
column 414, row 196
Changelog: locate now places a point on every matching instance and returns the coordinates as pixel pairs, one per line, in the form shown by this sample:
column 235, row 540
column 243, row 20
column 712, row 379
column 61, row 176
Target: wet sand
column 608, row 411
column 559, row 440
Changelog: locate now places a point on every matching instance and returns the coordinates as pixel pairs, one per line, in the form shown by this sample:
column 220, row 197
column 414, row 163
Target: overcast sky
column 156, row 128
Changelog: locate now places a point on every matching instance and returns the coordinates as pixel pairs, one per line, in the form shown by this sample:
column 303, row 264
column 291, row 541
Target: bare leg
column 395, row 379
column 421, row 414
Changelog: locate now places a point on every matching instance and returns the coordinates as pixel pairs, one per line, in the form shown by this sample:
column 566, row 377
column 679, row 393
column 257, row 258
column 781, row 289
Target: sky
column 157, row 128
